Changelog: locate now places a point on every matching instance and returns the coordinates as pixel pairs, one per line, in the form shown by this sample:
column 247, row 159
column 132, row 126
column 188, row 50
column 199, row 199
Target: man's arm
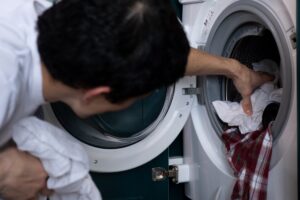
column 21, row 175
column 244, row 79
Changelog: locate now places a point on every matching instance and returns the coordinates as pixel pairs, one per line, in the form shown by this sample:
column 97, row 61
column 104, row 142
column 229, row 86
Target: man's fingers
column 46, row 192
column 35, row 198
column 247, row 105
column 264, row 77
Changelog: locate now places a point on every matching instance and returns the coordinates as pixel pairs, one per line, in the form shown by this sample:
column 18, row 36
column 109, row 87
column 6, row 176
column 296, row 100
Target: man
column 95, row 56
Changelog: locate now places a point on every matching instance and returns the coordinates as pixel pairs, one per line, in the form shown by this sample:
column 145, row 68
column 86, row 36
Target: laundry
column 249, row 147
column 232, row 112
column 249, row 156
column 62, row 157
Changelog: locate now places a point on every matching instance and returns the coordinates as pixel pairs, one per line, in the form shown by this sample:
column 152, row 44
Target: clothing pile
column 248, row 141
column 249, row 156
column 63, row 158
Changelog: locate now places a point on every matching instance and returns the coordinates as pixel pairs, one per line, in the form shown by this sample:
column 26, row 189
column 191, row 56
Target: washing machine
column 121, row 144
column 249, row 31
column 125, row 147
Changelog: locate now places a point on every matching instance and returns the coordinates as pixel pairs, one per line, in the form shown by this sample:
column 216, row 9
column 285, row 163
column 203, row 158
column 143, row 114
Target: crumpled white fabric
column 63, row 158
column 232, row 112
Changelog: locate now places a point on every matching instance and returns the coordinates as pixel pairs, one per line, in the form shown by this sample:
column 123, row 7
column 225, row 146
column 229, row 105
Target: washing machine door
column 123, row 140
column 248, row 31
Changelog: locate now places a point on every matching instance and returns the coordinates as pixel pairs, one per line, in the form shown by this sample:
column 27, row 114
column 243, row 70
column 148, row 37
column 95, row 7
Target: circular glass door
column 244, row 36
column 247, row 49
column 129, row 138
column 117, row 129
column 249, row 32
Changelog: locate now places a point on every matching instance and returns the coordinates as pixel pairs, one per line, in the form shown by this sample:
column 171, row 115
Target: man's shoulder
column 14, row 20
column 9, row 67
column 10, row 5
column 22, row 9
column 12, row 46
column 17, row 37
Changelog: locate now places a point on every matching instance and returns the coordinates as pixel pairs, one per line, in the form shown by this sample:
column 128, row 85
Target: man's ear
column 90, row 94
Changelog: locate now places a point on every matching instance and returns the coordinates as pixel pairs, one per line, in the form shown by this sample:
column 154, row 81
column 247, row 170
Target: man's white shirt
column 64, row 159
column 20, row 64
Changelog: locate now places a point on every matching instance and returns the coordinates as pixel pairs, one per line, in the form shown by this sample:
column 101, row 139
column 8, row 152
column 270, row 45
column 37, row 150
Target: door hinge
column 160, row 174
column 191, row 91
column 177, row 173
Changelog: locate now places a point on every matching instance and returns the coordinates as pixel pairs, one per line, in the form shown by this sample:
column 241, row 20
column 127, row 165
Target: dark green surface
column 134, row 184
column 129, row 123
column 176, row 191
column 298, row 88
column 134, row 119
column 178, row 8
column 137, row 184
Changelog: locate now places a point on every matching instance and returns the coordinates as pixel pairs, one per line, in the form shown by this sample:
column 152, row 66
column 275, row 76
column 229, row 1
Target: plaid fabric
column 249, row 155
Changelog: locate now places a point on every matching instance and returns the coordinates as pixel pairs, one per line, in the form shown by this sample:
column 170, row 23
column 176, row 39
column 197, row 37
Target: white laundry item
column 268, row 66
column 64, row 159
column 276, row 95
column 21, row 95
column 232, row 112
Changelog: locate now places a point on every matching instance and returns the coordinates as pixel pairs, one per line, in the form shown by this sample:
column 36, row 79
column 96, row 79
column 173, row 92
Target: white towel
column 63, row 158
column 232, row 112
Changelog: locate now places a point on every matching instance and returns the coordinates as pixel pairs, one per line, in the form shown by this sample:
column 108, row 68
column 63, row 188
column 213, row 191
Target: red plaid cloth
column 249, row 155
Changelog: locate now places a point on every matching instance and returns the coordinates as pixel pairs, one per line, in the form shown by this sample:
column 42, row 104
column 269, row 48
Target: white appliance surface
column 210, row 174
column 139, row 153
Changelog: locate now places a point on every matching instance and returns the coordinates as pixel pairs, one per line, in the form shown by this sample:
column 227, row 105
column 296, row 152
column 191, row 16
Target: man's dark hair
column 133, row 46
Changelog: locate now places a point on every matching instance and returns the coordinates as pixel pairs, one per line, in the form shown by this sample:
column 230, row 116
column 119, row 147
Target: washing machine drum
column 248, row 49
column 115, row 129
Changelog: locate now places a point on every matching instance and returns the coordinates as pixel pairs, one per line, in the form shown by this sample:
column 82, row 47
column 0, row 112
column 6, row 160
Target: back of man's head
column 132, row 46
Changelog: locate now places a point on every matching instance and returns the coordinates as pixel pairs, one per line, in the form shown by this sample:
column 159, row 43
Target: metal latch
column 293, row 38
column 160, row 174
column 191, row 91
column 178, row 171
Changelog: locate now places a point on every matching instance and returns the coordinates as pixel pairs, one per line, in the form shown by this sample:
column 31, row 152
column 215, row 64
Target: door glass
column 136, row 118
column 249, row 43
column 117, row 129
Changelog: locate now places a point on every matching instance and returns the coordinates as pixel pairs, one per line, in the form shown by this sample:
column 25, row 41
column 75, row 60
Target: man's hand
column 22, row 176
column 246, row 81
